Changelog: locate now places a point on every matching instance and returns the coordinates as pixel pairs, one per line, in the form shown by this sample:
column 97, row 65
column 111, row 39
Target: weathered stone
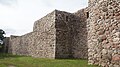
column 101, row 32
column 108, row 40
column 116, row 58
column 117, row 34
column 102, row 37
column 116, row 40
column 116, row 65
column 104, row 51
column 104, row 9
column 93, row 33
column 57, row 35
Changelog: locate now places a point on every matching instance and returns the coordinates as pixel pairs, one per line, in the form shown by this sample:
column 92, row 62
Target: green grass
column 7, row 60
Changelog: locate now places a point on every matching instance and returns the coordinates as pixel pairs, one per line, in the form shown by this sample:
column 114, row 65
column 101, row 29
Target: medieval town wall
column 70, row 41
column 57, row 35
column 104, row 33
column 92, row 33
column 39, row 43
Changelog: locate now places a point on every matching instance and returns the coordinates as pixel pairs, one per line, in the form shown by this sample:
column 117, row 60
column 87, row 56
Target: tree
column 1, row 34
column 1, row 37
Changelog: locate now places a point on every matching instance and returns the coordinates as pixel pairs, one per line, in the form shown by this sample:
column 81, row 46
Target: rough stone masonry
column 92, row 33
column 104, row 33
column 57, row 35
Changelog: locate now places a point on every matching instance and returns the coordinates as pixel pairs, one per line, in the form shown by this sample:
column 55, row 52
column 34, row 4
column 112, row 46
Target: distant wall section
column 39, row 43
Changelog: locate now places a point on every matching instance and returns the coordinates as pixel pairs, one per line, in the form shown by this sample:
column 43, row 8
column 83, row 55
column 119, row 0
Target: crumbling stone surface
column 104, row 33
column 92, row 33
column 40, row 42
column 71, row 35
column 57, row 35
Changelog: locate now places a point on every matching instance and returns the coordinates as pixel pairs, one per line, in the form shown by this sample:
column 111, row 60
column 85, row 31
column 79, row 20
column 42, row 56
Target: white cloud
column 19, row 18
column 8, row 2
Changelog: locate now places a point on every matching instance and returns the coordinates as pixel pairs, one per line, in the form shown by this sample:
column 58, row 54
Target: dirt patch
column 11, row 66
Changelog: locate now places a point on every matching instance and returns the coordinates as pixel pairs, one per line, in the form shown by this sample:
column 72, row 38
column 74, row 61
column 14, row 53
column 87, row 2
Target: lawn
column 8, row 60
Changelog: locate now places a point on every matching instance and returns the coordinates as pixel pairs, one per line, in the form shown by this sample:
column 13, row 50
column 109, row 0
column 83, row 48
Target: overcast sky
column 17, row 16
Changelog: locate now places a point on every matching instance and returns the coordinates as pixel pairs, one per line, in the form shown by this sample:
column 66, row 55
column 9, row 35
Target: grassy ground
column 7, row 60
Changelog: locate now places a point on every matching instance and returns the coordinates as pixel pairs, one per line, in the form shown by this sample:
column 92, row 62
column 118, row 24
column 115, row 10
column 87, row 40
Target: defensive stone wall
column 6, row 44
column 57, row 35
column 104, row 33
column 93, row 33
column 80, row 34
column 45, row 37
column 39, row 43
column 70, row 39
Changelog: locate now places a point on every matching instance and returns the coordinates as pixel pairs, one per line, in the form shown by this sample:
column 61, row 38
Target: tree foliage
column 1, row 35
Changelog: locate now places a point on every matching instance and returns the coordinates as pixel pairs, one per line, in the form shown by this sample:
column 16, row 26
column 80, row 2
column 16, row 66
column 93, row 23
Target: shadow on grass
column 6, row 55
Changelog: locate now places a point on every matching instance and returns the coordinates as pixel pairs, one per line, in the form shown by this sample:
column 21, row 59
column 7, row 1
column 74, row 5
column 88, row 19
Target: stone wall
column 45, row 38
column 39, row 43
column 57, row 35
column 63, row 37
column 6, row 44
column 70, row 41
column 45, row 23
column 80, row 35
column 104, row 33
column 20, row 45
column 93, row 33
